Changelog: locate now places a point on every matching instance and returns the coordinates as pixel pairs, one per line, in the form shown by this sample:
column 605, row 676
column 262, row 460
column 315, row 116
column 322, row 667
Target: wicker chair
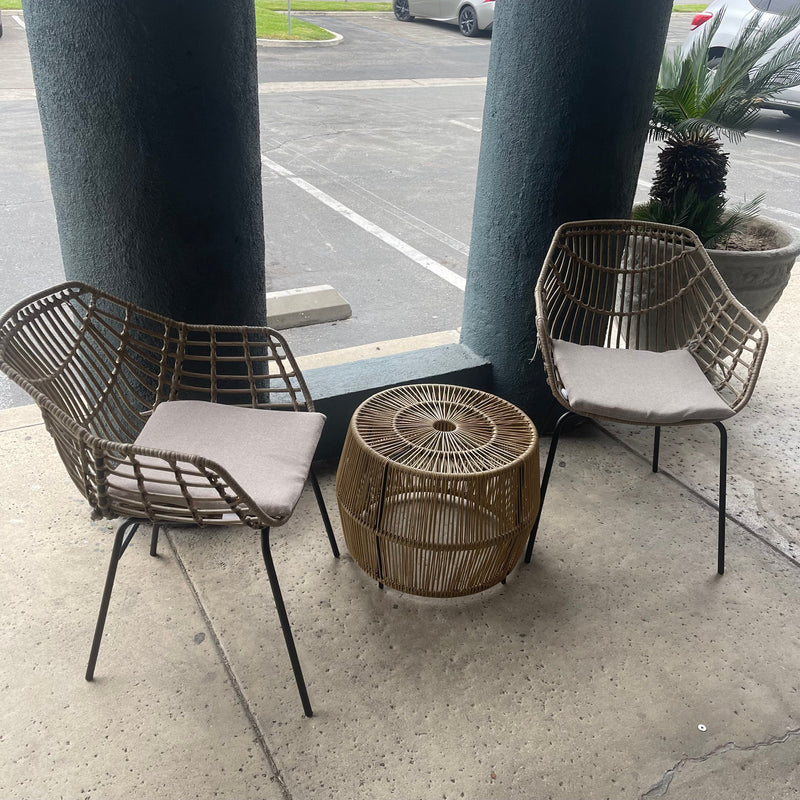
column 166, row 422
column 635, row 325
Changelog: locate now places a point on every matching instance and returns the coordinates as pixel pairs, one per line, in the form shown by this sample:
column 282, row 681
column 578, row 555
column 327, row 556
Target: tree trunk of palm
column 689, row 186
column 690, row 163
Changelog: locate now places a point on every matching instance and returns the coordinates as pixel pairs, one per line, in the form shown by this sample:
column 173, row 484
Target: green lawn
column 271, row 25
column 322, row 5
column 278, row 5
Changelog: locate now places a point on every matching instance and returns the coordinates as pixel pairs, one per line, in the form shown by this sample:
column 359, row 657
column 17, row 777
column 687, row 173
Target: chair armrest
column 545, row 347
column 168, row 486
column 729, row 344
column 241, row 365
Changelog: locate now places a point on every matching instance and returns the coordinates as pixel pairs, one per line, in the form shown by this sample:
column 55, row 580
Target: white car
column 736, row 13
column 471, row 16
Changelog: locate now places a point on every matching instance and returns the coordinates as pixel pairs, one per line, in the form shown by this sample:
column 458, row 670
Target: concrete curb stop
column 294, row 308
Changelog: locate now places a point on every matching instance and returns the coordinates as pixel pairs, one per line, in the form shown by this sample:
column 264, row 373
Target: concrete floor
column 589, row 675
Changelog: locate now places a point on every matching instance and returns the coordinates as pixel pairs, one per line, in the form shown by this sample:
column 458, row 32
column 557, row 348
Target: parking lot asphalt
column 616, row 665
column 369, row 158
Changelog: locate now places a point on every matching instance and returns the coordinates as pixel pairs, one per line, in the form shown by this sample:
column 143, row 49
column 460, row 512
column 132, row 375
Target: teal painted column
column 150, row 118
column 565, row 122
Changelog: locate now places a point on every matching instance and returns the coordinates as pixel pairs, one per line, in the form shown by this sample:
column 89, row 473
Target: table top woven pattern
column 438, row 428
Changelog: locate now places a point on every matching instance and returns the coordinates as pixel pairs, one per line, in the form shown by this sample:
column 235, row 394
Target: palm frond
column 713, row 220
column 692, row 98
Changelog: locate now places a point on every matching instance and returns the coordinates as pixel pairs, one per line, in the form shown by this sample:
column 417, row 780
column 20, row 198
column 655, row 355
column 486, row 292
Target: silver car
column 736, row 13
column 471, row 16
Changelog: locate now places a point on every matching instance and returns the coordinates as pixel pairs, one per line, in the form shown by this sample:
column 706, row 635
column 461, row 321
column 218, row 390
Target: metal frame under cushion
column 635, row 313
column 99, row 367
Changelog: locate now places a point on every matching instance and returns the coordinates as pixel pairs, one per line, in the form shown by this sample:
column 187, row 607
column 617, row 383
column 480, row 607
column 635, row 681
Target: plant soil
column 750, row 240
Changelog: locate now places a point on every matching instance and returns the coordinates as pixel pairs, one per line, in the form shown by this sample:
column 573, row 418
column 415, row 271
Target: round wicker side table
column 438, row 487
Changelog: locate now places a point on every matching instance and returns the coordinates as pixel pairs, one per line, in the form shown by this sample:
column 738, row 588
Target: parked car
column 471, row 16
column 1, row 23
column 736, row 13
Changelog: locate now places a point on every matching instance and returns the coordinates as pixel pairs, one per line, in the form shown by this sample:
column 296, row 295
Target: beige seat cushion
column 267, row 452
column 637, row 386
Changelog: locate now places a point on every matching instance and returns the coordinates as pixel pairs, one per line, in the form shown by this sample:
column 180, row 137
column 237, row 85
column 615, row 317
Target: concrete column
column 567, row 103
column 150, row 118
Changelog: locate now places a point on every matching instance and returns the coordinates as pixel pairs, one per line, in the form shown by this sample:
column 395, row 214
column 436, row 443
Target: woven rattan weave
column 97, row 366
column 643, row 286
column 102, row 370
column 612, row 289
column 438, row 487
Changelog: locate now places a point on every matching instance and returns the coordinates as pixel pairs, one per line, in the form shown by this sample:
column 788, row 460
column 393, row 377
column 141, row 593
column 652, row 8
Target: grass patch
column 271, row 25
column 690, row 7
column 321, row 5
column 277, row 5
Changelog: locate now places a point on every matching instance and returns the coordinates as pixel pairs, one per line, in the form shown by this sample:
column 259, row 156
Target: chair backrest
column 100, row 361
column 97, row 366
column 640, row 285
column 106, row 363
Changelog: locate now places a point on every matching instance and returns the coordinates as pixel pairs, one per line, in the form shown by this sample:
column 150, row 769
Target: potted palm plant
column 700, row 99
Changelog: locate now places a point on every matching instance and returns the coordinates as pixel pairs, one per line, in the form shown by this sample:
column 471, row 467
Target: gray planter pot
column 758, row 277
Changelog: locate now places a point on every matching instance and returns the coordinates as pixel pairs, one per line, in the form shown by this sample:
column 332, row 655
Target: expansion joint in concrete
column 258, row 734
column 661, row 788
column 700, row 496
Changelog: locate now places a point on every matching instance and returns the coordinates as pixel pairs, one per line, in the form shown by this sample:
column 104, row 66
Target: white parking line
column 282, row 87
column 453, row 278
column 772, row 139
column 18, row 19
column 393, row 209
column 466, row 125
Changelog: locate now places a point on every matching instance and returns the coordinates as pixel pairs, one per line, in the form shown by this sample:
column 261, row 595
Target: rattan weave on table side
column 438, row 487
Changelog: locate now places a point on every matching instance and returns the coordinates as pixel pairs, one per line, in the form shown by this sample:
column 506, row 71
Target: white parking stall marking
column 466, row 125
column 792, row 214
column 453, row 278
column 375, row 199
column 18, row 19
column 772, row 139
column 294, row 87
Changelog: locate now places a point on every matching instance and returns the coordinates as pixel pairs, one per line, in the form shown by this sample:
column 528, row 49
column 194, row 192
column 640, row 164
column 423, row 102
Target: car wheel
column 467, row 21
column 401, row 10
column 715, row 56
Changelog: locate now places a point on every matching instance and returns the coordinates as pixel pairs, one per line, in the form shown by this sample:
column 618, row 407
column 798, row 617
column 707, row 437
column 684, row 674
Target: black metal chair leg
column 656, row 447
column 723, row 490
column 154, row 539
column 283, row 617
column 324, row 511
column 551, row 454
column 123, row 537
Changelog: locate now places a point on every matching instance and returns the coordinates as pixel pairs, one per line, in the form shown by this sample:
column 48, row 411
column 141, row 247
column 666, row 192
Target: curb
column 337, row 39
column 295, row 308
